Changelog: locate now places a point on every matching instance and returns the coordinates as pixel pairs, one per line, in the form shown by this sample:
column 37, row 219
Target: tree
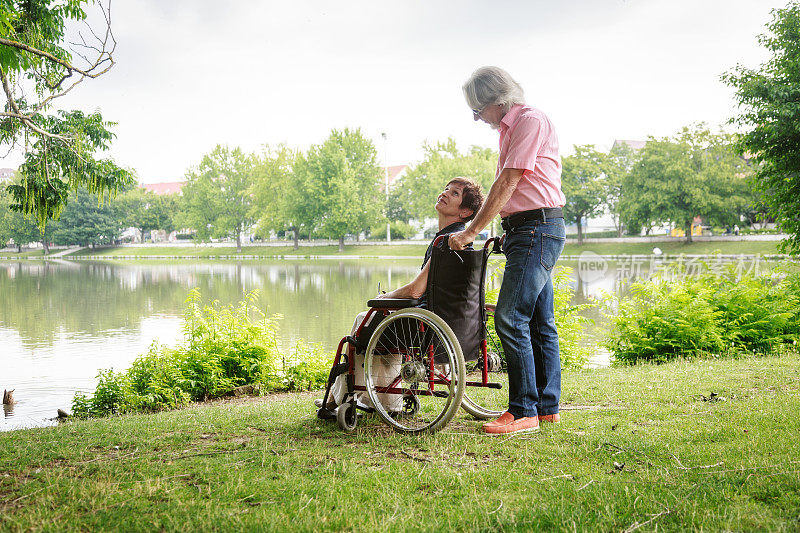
column 22, row 229
column 583, row 182
column 217, row 201
column 279, row 199
column 696, row 173
column 36, row 69
column 414, row 196
column 88, row 219
column 146, row 210
column 619, row 162
column 768, row 97
column 340, row 181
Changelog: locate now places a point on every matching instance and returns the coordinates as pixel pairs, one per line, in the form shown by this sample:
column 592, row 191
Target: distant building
column 634, row 145
column 170, row 187
column 6, row 174
column 395, row 173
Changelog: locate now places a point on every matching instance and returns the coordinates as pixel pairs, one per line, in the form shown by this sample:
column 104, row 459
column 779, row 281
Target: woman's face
column 449, row 201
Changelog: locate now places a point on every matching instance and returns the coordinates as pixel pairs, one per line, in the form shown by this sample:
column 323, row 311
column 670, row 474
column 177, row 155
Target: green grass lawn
column 27, row 253
column 644, row 448
column 675, row 248
column 414, row 250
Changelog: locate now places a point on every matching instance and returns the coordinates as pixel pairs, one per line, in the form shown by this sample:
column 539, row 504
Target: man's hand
column 460, row 240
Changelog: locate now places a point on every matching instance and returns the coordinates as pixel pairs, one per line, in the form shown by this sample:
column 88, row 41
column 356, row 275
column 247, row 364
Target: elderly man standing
column 527, row 194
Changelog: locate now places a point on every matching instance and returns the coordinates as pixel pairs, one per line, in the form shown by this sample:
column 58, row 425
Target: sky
column 192, row 74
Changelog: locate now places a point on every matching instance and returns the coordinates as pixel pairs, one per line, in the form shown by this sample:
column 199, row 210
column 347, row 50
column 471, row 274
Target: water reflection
column 62, row 321
column 41, row 301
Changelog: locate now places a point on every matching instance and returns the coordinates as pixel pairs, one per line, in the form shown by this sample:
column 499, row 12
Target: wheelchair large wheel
column 414, row 371
column 486, row 403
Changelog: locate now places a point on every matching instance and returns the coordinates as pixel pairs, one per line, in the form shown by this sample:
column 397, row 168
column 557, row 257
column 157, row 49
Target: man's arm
column 415, row 289
column 502, row 189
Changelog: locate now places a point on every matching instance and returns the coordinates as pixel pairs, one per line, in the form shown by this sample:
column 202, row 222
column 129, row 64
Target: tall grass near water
column 225, row 347
column 571, row 322
column 711, row 314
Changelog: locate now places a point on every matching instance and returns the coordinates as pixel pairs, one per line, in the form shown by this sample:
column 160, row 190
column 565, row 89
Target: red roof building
column 171, row 187
column 634, row 145
column 395, row 173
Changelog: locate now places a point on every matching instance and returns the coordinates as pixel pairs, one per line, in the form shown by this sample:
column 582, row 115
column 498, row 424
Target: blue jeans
column 524, row 318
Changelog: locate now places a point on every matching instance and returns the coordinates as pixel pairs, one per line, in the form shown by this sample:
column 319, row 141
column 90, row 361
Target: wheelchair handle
column 496, row 242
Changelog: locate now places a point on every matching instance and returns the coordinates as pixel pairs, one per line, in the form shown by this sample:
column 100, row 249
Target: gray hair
column 492, row 85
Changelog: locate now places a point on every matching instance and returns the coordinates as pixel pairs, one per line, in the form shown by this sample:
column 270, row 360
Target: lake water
column 61, row 321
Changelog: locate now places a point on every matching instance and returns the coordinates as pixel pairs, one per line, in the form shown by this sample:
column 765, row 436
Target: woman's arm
column 415, row 289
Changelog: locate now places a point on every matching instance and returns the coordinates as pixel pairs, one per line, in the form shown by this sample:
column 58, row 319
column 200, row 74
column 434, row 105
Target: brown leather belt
column 541, row 215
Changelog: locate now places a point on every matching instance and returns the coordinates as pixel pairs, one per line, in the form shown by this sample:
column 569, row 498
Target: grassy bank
column 675, row 248
column 708, row 445
column 411, row 250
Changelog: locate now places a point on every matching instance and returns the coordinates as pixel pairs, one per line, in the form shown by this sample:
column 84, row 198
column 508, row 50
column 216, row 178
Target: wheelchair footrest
column 326, row 414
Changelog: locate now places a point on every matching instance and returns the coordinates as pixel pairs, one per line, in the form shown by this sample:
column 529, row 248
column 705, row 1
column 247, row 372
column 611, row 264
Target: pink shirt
column 528, row 142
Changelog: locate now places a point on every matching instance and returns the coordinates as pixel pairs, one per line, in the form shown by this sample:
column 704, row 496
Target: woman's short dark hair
column 471, row 196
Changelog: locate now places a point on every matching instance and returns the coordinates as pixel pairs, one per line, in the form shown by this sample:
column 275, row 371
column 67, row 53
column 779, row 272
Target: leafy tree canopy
column 147, row 211
column 16, row 226
column 768, row 97
column 279, row 201
column 36, row 68
column 583, row 180
column 619, row 162
column 88, row 219
column 674, row 180
column 415, row 193
column 217, row 200
column 340, row 184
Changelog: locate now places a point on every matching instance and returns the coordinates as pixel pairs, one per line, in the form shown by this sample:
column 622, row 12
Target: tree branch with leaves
column 38, row 66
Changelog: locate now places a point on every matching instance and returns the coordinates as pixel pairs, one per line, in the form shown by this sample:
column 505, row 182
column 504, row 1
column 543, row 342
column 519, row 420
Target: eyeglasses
column 476, row 113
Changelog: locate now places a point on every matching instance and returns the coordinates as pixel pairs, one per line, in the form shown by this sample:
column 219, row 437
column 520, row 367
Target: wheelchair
column 420, row 365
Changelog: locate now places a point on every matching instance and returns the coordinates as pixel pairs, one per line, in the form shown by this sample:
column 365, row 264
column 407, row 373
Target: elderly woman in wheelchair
column 404, row 358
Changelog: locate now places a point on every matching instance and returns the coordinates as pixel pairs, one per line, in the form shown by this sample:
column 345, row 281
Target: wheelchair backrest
column 456, row 293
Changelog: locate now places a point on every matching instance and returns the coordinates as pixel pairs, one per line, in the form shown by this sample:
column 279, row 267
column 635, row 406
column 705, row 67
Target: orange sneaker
column 554, row 418
column 508, row 424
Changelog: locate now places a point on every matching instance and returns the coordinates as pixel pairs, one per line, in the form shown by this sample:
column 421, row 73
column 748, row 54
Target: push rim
column 398, row 356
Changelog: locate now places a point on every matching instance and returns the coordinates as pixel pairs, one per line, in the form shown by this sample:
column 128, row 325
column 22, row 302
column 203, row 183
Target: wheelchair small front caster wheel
column 410, row 405
column 347, row 416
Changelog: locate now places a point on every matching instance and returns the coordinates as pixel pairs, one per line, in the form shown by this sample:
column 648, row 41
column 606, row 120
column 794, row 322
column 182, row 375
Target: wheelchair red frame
column 347, row 417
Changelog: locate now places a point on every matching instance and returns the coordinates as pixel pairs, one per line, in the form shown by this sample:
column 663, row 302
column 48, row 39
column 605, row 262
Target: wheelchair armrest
column 393, row 303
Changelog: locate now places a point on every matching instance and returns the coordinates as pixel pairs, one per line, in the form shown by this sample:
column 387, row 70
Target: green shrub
column 759, row 313
column 155, row 381
column 225, row 347
column 108, row 397
column 662, row 320
column 570, row 322
column 707, row 315
column 308, row 367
